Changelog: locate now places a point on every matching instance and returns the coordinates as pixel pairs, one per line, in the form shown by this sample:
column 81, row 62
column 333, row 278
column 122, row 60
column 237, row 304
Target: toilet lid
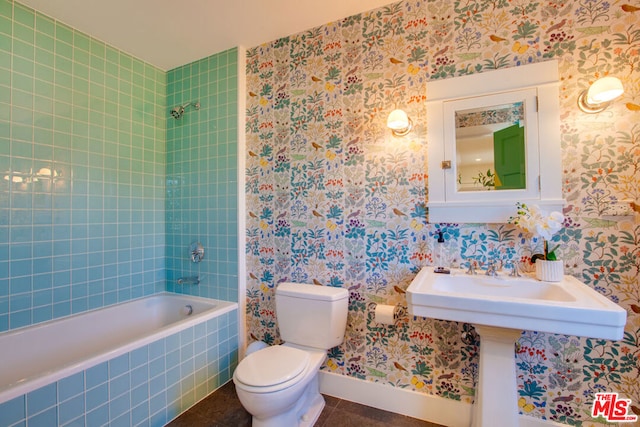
column 271, row 366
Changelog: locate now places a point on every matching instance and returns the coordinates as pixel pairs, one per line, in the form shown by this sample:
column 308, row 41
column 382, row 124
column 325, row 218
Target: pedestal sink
column 500, row 308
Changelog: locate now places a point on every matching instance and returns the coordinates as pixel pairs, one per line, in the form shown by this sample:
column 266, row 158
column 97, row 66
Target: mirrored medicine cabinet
column 494, row 140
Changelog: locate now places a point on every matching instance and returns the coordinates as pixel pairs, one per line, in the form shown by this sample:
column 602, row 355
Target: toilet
column 278, row 385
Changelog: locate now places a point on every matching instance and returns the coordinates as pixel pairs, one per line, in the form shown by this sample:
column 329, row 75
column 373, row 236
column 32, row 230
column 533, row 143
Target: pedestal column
column 496, row 401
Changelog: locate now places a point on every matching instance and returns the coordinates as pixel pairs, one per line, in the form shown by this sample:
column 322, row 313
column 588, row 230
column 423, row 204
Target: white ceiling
column 170, row 33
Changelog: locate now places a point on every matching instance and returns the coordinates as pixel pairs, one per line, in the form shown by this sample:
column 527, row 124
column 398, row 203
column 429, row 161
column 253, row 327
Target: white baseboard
column 439, row 410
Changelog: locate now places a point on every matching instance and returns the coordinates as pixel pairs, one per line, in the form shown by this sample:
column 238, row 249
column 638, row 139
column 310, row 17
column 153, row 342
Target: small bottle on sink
column 441, row 255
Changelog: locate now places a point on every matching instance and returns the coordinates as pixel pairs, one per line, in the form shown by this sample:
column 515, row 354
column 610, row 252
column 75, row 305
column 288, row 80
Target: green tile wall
column 202, row 196
column 82, row 168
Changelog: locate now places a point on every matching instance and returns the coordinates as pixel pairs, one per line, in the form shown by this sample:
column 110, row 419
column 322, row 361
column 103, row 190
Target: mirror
column 487, row 134
column 490, row 147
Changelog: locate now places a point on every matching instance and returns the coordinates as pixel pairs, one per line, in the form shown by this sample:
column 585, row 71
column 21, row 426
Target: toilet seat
column 272, row 368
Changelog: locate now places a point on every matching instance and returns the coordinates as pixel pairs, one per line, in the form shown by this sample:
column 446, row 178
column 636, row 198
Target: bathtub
column 95, row 367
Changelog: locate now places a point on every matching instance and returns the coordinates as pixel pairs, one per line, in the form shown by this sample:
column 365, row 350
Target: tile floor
column 223, row 409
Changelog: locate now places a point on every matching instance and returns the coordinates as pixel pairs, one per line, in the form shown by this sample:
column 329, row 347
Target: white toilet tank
column 310, row 315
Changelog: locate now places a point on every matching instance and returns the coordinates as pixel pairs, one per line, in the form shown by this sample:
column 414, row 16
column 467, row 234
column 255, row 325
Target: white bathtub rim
column 24, row 386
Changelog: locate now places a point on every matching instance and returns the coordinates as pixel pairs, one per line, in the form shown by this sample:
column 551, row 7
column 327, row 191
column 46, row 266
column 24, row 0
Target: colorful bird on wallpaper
column 441, row 51
column 351, row 71
column 630, row 8
column 353, row 141
column 317, row 282
column 253, row 276
column 316, row 145
column 399, row 366
column 496, row 39
column 317, row 214
column 632, row 107
column 399, row 290
column 556, row 26
column 395, row 61
column 399, row 212
column 568, row 398
column 316, row 79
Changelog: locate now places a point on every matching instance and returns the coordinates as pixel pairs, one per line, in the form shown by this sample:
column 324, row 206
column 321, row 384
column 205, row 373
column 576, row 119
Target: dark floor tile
column 374, row 416
column 379, row 415
column 326, row 411
column 340, row 418
column 190, row 419
column 331, row 401
column 223, row 409
column 220, row 409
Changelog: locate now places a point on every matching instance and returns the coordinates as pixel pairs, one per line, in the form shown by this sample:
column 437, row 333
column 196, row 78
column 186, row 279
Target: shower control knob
column 197, row 252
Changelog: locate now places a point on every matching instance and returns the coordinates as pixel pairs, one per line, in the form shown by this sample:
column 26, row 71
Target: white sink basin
column 500, row 308
column 568, row 307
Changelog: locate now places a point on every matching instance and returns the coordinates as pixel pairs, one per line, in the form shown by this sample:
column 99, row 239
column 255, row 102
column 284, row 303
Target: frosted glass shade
column 604, row 90
column 600, row 94
column 399, row 122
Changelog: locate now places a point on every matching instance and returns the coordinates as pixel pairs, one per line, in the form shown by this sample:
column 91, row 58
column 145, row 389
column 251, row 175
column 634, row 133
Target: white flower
column 534, row 220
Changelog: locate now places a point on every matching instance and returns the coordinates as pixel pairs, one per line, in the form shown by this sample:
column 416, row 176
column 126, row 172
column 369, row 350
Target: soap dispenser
column 440, row 255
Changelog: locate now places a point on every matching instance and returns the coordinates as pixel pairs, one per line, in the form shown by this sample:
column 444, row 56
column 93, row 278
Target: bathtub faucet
column 189, row 280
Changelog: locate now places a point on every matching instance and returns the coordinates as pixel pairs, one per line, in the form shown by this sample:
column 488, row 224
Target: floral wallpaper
column 334, row 199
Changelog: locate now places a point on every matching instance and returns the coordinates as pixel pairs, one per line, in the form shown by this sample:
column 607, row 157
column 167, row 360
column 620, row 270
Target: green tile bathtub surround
column 197, row 158
column 72, row 132
column 149, row 385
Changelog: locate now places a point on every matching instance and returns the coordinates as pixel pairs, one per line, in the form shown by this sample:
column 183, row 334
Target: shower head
column 178, row 111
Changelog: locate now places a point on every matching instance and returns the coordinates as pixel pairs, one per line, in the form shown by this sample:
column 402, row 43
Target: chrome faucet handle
column 515, row 269
column 472, row 268
column 491, row 268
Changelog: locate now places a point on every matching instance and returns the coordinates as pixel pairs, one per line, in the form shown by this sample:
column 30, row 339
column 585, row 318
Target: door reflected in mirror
column 490, row 148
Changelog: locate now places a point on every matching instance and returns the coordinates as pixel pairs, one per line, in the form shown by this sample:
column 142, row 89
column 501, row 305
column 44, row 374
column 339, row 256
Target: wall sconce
column 600, row 94
column 399, row 123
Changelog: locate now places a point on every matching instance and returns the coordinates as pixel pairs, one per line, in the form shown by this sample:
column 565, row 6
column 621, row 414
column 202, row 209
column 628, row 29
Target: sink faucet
column 515, row 269
column 472, row 267
column 492, row 270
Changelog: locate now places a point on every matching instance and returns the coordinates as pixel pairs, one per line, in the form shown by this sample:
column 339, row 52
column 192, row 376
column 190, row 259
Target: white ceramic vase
column 549, row 271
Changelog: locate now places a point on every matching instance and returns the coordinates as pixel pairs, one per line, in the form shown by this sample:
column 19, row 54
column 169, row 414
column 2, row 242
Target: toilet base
column 292, row 419
column 312, row 415
column 311, row 402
